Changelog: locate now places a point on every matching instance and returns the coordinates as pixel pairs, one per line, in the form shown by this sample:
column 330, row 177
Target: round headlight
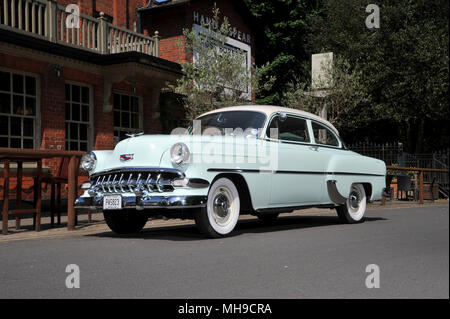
column 88, row 161
column 179, row 153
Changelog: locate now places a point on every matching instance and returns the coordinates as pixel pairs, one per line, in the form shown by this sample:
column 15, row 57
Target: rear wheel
column 354, row 208
column 221, row 213
column 125, row 221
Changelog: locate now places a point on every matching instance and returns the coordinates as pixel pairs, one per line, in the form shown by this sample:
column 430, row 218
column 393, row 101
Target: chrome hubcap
column 222, row 206
column 355, row 199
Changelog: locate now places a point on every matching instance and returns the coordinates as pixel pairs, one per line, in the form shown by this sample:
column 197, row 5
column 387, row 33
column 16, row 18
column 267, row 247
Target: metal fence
column 393, row 155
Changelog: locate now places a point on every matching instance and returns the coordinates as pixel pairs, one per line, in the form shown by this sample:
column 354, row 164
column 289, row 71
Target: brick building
column 82, row 84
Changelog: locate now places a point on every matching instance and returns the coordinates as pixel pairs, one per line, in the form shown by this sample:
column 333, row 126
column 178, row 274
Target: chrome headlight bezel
column 88, row 162
column 179, row 153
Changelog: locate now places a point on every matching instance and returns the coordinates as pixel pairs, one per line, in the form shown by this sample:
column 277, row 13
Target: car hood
column 147, row 150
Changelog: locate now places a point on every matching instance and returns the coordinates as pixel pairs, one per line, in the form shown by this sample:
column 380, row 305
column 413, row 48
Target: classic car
column 259, row 160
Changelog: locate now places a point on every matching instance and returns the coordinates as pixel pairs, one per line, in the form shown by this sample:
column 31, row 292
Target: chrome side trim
column 197, row 183
column 334, row 194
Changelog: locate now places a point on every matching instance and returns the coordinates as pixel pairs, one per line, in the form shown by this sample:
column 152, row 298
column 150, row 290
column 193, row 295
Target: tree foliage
column 404, row 67
column 281, row 43
column 219, row 75
column 401, row 68
column 342, row 99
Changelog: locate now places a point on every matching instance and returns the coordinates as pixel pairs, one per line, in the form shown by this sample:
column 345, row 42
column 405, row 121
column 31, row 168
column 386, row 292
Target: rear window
column 291, row 129
column 323, row 135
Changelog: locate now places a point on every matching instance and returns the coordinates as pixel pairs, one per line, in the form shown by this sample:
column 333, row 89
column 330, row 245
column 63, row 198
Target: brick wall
column 52, row 102
column 170, row 22
column 117, row 9
column 173, row 49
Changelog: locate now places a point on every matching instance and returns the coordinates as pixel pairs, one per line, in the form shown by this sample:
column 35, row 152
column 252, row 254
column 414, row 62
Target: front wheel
column 354, row 208
column 221, row 213
column 125, row 221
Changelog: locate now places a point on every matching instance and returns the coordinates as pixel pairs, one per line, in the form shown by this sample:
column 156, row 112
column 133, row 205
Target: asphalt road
column 297, row 257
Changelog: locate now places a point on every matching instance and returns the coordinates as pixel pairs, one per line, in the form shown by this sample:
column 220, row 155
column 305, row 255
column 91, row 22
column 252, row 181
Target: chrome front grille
column 134, row 181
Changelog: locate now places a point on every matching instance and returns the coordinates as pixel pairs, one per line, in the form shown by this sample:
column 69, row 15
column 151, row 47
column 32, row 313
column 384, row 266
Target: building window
column 77, row 117
column 17, row 110
column 172, row 112
column 127, row 116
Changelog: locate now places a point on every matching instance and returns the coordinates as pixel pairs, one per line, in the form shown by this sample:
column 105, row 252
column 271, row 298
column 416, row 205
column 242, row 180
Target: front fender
column 103, row 158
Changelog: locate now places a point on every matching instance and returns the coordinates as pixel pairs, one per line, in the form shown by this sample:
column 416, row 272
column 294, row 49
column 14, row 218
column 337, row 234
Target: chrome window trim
column 266, row 138
column 332, row 131
column 255, row 111
column 310, row 130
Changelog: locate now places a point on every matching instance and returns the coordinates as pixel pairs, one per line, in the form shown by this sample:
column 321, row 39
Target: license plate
column 112, row 202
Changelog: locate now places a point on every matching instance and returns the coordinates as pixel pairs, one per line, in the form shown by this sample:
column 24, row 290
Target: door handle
column 314, row 148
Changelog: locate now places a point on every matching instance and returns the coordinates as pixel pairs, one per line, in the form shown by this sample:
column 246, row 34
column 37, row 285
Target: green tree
column 219, row 75
column 342, row 99
column 403, row 64
column 281, row 43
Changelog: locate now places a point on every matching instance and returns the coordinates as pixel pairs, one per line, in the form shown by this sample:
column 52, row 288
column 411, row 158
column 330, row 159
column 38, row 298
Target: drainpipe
column 139, row 21
column 128, row 14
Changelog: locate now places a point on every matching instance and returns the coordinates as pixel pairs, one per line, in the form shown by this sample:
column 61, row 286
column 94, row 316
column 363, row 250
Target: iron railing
column 393, row 155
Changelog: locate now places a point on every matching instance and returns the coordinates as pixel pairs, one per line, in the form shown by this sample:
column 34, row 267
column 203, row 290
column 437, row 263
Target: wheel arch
column 368, row 190
column 242, row 187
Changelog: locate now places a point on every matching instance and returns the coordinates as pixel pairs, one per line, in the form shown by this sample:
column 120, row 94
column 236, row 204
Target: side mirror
column 251, row 133
column 282, row 116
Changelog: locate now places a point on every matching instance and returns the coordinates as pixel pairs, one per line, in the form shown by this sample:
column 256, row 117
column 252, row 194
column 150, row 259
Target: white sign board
column 321, row 65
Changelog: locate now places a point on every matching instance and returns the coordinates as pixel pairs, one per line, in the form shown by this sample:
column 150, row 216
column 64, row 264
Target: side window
column 291, row 129
column 324, row 135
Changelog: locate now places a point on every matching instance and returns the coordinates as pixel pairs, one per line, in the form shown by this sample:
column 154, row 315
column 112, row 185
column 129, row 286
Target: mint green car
column 259, row 160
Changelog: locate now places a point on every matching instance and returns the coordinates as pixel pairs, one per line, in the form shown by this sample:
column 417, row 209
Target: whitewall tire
column 221, row 213
column 355, row 207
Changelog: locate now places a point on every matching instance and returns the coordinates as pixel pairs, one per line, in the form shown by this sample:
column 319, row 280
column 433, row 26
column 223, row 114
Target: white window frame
column 37, row 115
column 140, row 113
column 90, row 131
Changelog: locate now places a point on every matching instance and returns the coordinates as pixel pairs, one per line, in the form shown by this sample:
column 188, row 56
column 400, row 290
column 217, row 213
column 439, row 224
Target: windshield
column 229, row 123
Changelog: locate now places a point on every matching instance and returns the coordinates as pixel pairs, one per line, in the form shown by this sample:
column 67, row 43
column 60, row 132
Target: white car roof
column 271, row 109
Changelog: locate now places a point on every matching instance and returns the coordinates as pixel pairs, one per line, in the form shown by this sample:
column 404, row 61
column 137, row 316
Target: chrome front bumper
column 149, row 202
column 147, row 185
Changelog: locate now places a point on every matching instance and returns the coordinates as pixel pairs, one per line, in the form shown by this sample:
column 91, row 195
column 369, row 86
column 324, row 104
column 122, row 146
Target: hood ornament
column 134, row 134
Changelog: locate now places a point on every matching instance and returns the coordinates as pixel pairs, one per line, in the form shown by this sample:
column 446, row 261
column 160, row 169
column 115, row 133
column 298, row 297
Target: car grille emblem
column 126, row 157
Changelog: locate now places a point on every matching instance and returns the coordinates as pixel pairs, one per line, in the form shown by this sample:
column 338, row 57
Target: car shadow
column 190, row 232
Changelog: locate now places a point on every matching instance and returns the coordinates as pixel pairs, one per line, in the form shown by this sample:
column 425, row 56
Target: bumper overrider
column 147, row 185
